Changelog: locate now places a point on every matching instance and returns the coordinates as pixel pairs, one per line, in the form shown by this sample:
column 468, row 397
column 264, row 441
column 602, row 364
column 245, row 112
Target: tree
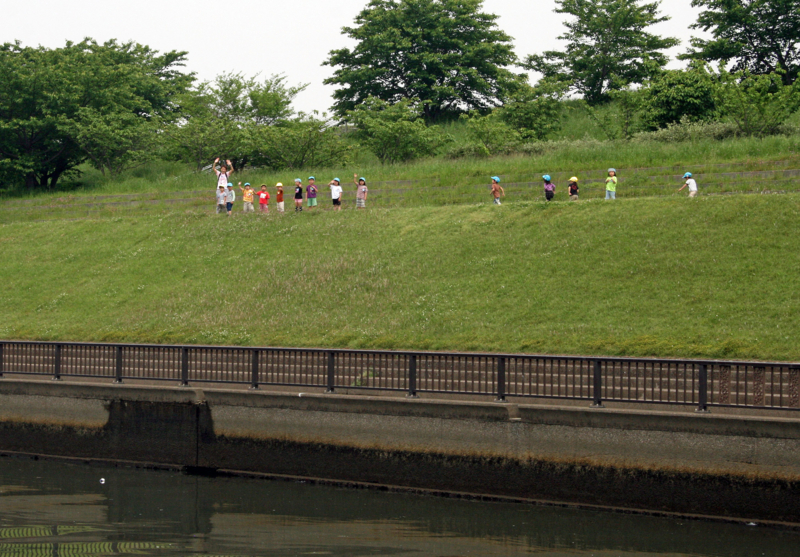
column 393, row 132
column 446, row 56
column 114, row 142
column 51, row 100
column 535, row 112
column 757, row 104
column 218, row 117
column 608, row 47
column 680, row 95
column 490, row 135
column 305, row 141
column 759, row 36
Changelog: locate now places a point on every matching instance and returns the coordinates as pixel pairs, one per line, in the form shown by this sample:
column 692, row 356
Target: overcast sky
column 291, row 37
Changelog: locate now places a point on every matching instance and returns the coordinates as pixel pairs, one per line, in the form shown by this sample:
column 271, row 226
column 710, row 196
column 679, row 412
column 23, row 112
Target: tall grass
column 586, row 157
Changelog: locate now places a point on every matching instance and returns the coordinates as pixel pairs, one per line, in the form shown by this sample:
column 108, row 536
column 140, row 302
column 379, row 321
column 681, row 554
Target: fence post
column 597, row 385
column 57, row 364
column 501, row 379
column 412, row 376
column 254, row 377
column 118, row 374
column 184, row 367
column 2, row 345
column 331, row 372
column 702, row 384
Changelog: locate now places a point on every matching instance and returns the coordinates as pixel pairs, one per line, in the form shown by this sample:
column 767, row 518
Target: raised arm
column 355, row 179
column 230, row 167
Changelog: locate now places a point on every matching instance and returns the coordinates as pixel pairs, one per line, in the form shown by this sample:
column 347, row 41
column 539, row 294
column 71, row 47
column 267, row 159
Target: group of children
column 226, row 195
column 611, row 187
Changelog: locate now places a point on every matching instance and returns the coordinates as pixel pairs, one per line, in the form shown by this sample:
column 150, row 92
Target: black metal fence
column 700, row 383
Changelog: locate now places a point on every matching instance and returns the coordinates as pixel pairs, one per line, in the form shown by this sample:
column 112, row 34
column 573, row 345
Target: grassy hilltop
column 714, row 276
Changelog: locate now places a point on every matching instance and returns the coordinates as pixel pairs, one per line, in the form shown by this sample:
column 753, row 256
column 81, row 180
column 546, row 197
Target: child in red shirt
column 263, row 199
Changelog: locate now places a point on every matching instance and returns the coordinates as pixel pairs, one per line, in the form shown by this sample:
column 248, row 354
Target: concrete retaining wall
column 698, row 464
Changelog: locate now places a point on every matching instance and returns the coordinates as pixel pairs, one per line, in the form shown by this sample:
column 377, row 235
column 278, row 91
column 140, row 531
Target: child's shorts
column 361, row 203
column 229, row 206
column 312, row 201
column 280, row 206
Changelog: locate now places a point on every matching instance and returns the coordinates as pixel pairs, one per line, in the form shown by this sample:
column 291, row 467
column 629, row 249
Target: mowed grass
column 707, row 277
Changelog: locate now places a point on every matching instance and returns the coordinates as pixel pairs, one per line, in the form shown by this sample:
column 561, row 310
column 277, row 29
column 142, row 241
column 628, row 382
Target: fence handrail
column 577, row 357
column 702, row 383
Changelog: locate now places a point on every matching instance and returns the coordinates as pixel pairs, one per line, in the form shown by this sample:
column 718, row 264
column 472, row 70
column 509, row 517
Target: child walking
column 573, row 189
column 690, row 183
column 497, row 190
column 549, row 187
column 611, row 184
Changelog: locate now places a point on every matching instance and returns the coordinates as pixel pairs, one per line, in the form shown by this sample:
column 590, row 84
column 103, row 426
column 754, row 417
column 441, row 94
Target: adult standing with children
column 336, row 194
column 361, row 191
column 224, row 173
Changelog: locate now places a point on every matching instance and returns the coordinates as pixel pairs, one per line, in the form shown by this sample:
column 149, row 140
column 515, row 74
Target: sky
column 270, row 37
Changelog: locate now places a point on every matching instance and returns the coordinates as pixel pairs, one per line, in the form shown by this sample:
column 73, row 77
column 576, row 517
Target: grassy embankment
column 707, row 277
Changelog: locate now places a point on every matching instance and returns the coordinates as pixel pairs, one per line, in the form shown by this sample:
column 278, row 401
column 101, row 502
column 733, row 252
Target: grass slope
column 711, row 277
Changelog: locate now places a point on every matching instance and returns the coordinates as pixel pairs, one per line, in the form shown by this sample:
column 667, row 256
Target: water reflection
column 58, row 509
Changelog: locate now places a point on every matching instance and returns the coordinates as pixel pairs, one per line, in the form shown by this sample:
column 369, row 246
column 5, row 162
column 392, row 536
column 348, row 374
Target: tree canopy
column 447, row 56
column 60, row 106
column 608, row 46
column 758, row 36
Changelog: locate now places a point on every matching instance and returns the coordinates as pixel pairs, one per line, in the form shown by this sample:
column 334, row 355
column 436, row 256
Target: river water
column 52, row 508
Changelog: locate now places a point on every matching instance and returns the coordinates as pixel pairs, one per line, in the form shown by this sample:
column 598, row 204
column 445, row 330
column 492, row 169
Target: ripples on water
column 53, row 509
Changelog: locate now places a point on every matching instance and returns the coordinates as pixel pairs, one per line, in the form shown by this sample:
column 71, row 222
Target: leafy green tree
column 219, row 117
column 758, row 104
column 759, row 36
column 490, row 135
column 115, row 142
column 308, row 140
column 52, row 99
column 608, row 47
column 394, row 132
column 680, row 95
column 446, row 56
column 535, row 112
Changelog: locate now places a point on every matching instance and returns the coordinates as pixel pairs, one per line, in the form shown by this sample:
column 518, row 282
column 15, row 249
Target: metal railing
column 699, row 383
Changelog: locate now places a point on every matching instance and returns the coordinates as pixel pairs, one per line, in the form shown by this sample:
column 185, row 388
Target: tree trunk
column 31, row 183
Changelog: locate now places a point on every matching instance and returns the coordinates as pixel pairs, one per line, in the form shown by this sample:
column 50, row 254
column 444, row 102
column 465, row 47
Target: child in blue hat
column 497, row 190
